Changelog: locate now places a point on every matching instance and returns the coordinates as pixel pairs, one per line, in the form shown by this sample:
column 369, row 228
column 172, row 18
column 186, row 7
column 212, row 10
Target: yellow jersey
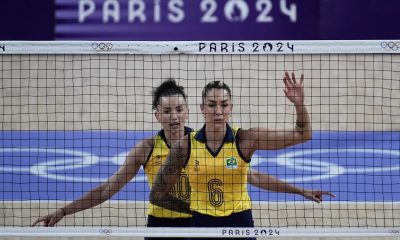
column 218, row 179
column 181, row 189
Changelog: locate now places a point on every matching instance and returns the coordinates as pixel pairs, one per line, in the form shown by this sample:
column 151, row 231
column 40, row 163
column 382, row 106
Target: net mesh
column 68, row 121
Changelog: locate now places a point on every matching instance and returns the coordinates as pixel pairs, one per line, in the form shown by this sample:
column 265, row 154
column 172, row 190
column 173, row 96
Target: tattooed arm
column 167, row 177
column 128, row 170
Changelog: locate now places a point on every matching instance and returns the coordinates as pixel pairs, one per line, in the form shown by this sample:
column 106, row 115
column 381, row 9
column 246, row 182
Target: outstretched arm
column 167, row 177
column 106, row 190
column 271, row 183
column 271, row 139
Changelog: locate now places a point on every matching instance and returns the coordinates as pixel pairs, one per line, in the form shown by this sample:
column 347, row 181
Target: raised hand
column 51, row 219
column 294, row 90
column 316, row 195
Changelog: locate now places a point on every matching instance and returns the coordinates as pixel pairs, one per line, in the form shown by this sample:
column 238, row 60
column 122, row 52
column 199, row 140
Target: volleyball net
column 71, row 111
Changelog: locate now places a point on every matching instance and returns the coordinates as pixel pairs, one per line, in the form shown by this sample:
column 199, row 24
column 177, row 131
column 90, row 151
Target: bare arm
column 106, row 190
column 271, row 183
column 294, row 91
column 268, row 139
column 168, row 176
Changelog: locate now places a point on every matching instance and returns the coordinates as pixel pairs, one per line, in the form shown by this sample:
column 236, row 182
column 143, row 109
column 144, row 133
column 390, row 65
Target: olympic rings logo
column 102, row 46
column 395, row 232
column 388, row 46
column 106, row 231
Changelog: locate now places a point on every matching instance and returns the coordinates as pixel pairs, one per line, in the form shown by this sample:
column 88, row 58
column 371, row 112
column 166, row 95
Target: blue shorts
column 166, row 222
column 240, row 219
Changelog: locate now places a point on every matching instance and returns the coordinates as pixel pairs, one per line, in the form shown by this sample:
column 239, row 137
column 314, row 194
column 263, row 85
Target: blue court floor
column 62, row 165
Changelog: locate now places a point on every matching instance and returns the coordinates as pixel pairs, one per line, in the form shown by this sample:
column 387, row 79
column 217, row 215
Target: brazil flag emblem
column 231, row 163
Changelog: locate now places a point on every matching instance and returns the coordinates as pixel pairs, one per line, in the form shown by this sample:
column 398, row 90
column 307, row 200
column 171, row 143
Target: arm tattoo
column 165, row 180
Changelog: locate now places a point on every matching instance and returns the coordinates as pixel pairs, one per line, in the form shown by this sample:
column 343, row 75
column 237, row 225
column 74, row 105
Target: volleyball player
column 216, row 159
column 169, row 103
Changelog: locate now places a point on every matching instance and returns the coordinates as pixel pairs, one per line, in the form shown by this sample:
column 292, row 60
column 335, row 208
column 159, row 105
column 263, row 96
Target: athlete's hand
column 316, row 195
column 51, row 219
column 294, row 90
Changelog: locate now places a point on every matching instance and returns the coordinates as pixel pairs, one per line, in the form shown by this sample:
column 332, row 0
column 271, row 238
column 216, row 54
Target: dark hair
column 167, row 88
column 217, row 85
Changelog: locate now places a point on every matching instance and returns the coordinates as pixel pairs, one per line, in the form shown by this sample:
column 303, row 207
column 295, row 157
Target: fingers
column 294, row 78
column 302, row 79
column 47, row 221
column 290, row 81
column 36, row 222
column 329, row 194
column 318, row 196
column 52, row 222
column 286, row 82
column 39, row 220
column 317, row 199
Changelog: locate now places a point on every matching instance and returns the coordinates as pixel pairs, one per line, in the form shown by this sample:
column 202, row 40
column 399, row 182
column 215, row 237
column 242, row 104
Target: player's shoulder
column 242, row 134
column 251, row 133
column 145, row 145
column 148, row 142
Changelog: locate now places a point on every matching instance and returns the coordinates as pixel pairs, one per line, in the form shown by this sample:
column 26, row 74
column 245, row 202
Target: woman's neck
column 215, row 134
column 173, row 136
